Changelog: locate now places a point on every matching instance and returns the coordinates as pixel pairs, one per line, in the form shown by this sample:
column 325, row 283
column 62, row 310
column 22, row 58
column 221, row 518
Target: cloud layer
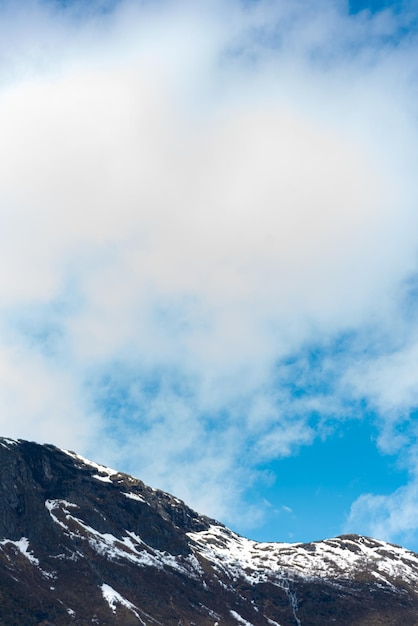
column 192, row 200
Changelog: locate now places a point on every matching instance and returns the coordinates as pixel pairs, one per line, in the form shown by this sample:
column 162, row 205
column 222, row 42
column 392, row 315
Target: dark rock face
column 81, row 544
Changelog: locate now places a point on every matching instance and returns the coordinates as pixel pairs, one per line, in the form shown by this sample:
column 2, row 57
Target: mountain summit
column 82, row 544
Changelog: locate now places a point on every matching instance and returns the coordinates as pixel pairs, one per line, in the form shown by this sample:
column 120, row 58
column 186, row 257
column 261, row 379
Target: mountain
column 81, row 544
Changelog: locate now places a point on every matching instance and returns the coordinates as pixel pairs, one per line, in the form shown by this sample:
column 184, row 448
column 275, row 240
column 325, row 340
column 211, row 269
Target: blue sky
column 208, row 253
column 373, row 6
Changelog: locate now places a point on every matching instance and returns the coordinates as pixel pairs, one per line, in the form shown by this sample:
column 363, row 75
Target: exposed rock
column 82, row 544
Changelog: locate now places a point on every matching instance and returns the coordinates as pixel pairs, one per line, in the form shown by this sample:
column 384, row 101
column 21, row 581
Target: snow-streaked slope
column 130, row 547
column 347, row 556
column 83, row 543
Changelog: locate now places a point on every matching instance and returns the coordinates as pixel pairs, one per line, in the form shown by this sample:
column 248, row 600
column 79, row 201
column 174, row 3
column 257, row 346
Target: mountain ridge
column 82, row 544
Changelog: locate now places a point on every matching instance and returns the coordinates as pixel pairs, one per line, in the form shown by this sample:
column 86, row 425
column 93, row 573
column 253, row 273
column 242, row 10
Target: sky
column 209, row 252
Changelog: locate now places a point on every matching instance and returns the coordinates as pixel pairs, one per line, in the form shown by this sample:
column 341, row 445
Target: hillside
column 82, row 544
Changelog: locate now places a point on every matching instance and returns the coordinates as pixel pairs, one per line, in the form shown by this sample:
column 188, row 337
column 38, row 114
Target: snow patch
column 135, row 496
column 61, row 505
column 7, row 443
column 104, row 479
column 240, row 619
column 113, row 598
column 23, row 546
column 102, row 469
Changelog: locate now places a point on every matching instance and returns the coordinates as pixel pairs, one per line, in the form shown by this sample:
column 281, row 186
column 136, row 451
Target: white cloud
column 200, row 192
column 390, row 517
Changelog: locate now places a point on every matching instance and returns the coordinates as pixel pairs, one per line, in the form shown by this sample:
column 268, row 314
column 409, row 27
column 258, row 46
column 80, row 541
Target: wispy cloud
column 392, row 517
column 193, row 198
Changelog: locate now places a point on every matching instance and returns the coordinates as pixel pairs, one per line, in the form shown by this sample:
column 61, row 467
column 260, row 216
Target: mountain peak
column 81, row 543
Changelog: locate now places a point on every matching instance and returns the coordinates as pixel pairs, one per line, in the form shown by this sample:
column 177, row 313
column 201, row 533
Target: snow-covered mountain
column 83, row 544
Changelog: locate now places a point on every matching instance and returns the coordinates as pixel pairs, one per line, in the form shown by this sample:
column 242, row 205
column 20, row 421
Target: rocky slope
column 82, row 544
